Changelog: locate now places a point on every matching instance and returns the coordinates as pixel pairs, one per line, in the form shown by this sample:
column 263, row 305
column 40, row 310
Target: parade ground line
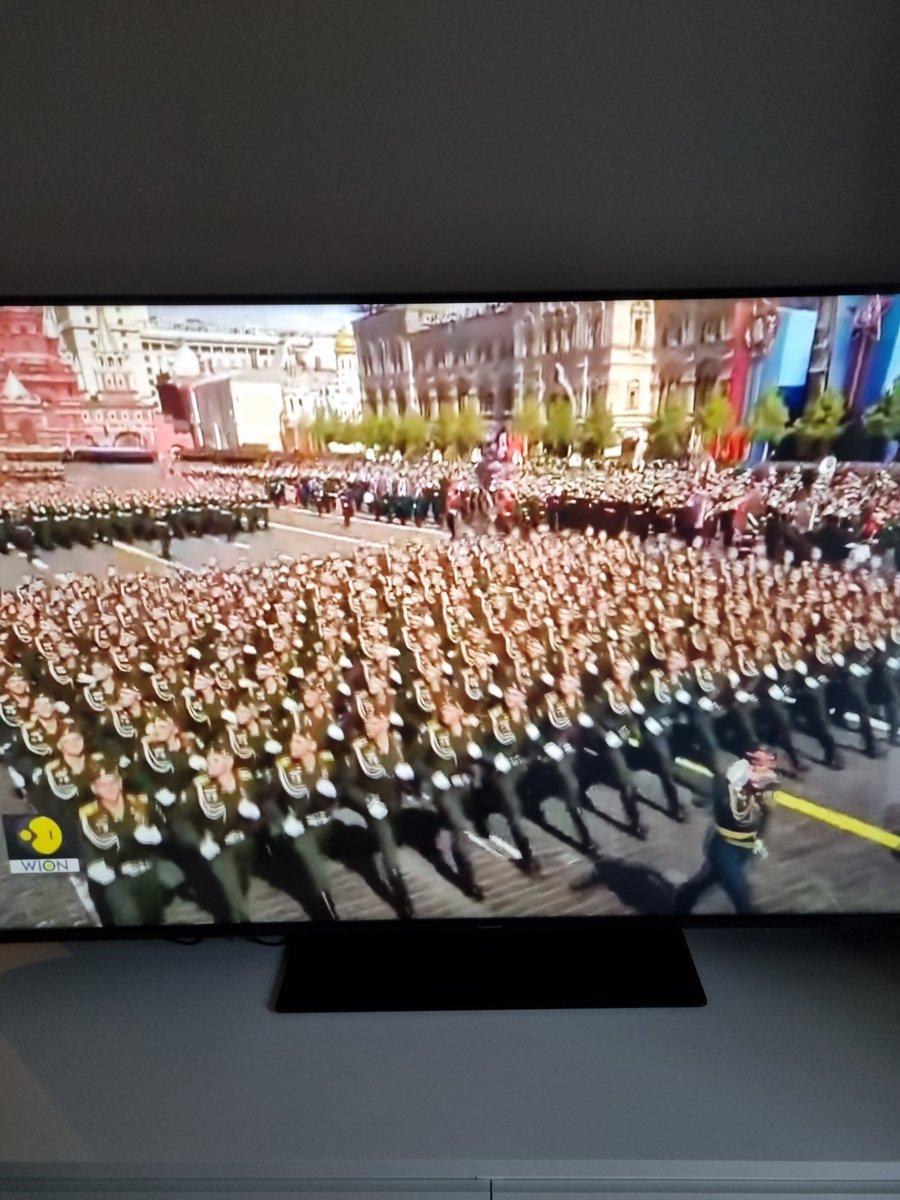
column 829, row 816
column 166, row 562
column 365, row 519
column 331, row 537
column 839, row 820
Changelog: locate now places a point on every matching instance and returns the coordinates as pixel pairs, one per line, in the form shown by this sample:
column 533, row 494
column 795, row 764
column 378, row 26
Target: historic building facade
column 41, row 399
column 104, row 343
column 418, row 357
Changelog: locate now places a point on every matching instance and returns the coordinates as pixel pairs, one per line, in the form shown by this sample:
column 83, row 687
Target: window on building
column 633, row 396
column 639, row 321
column 710, row 331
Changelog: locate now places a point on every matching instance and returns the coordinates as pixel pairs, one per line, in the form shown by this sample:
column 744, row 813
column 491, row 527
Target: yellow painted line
column 693, row 766
column 819, row 812
column 839, row 820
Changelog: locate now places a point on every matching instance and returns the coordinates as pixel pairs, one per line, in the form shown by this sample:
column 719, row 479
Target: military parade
column 401, row 611
column 584, row 660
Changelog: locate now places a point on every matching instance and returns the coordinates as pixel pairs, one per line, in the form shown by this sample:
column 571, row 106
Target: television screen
column 377, row 611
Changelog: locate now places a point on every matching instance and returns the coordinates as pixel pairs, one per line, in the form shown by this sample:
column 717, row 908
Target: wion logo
column 40, row 846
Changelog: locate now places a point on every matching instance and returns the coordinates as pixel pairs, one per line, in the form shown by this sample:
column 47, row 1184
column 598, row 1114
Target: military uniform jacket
column 441, row 755
column 660, row 704
column 127, row 843
column 36, row 746
column 505, row 743
column 559, row 723
column 249, row 745
column 884, row 680
column 11, row 716
column 203, row 719
column 294, row 791
column 92, row 702
column 61, row 788
column 373, row 772
column 739, row 817
column 162, row 774
column 118, row 733
column 615, row 718
column 229, row 817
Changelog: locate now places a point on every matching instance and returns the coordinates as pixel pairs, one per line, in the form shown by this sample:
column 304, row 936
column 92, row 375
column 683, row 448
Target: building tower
column 349, row 391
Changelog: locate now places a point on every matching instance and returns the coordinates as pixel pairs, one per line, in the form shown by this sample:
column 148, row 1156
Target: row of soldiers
column 839, row 505
column 38, row 519
column 238, row 714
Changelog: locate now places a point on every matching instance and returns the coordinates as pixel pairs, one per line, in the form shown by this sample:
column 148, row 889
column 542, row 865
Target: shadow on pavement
column 642, row 888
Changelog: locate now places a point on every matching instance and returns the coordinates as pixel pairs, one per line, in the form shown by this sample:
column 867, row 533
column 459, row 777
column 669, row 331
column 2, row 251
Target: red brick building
column 41, row 401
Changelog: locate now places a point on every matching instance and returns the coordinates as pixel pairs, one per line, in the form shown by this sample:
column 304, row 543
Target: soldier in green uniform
column 64, row 785
column 803, row 679
column 166, row 763
column 15, row 707
column 507, row 752
column 561, row 719
column 38, row 737
column 614, row 727
column 130, row 878
column 847, row 689
column 218, row 819
column 375, row 772
column 299, row 795
column 446, row 760
column 883, row 688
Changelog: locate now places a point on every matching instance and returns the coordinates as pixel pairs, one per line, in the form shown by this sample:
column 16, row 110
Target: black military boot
column 402, row 902
column 673, row 801
column 833, row 756
column 636, row 826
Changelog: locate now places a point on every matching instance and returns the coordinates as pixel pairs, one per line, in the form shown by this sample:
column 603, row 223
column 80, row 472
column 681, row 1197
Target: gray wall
column 447, row 144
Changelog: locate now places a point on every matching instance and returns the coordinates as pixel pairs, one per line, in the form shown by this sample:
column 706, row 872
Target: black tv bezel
column 290, row 931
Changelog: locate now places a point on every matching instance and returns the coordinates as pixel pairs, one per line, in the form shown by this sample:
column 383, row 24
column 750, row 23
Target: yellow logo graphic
column 43, row 835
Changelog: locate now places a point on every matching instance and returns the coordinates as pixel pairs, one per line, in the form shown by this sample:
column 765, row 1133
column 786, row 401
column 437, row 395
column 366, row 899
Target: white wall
column 257, row 412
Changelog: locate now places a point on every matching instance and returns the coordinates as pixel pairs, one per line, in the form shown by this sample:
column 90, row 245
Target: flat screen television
column 418, row 631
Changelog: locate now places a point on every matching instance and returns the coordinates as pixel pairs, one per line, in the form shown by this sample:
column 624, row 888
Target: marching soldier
column 65, row 784
column 166, row 763
column 507, row 751
column 883, row 687
column 218, row 819
column 614, row 728
column 124, row 850
column 807, row 683
column 734, row 840
column 296, row 813
column 445, row 760
column 848, row 686
column 376, row 771
column 560, row 720
column 773, row 701
column 39, row 734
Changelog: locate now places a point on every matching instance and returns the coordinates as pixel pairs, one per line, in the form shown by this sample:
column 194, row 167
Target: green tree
column 715, row 418
column 560, row 431
column 412, row 433
column 883, row 418
column 529, row 422
column 444, row 428
column 821, row 423
column 387, row 430
column 670, row 430
column 325, row 426
column 769, row 418
column 366, row 430
column 598, row 433
column 471, row 429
